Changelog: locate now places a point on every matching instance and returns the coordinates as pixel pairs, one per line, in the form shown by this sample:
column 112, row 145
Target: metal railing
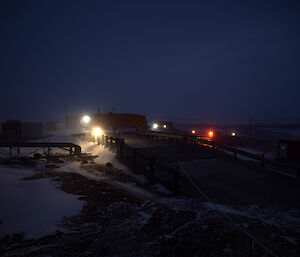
column 235, row 151
column 16, row 146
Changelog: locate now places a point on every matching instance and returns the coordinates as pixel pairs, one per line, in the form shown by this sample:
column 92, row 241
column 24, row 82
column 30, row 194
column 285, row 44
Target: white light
column 155, row 126
column 86, row 119
column 97, row 132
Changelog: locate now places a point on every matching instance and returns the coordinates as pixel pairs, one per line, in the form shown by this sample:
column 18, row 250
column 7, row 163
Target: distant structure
column 16, row 130
column 110, row 121
column 289, row 150
column 55, row 126
column 162, row 126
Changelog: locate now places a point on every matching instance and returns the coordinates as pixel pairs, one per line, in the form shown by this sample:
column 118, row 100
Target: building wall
column 13, row 131
column 54, row 125
column 31, row 130
column 110, row 121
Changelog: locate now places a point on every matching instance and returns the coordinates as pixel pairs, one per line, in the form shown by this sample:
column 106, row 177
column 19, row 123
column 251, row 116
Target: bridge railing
column 146, row 161
column 72, row 148
column 215, row 145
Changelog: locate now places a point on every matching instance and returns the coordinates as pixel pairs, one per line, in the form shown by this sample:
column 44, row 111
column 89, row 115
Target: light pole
column 85, row 120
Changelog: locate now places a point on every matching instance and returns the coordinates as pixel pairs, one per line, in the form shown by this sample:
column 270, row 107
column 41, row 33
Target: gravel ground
column 115, row 221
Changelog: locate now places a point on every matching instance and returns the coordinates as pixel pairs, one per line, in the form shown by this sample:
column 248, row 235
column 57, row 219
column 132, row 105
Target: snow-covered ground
column 36, row 206
column 293, row 133
column 33, row 207
column 273, row 215
column 284, row 219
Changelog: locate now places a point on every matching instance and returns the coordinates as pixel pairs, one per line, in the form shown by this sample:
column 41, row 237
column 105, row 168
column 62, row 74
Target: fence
column 293, row 170
column 145, row 161
column 15, row 148
column 162, row 136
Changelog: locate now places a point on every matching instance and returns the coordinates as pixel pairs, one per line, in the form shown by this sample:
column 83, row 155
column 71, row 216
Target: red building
column 109, row 121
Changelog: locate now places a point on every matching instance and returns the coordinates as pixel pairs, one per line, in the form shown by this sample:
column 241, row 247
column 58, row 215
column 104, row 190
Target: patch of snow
column 245, row 225
column 290, row 239
column 184, row 226
column 33, row 207
column 161, row 189
column 271, row 216
column 289, row 219
column 28, row 251
column 134, row 189
column 104, row 156
column 204, row 226
column 146, row 217
column 75, row 167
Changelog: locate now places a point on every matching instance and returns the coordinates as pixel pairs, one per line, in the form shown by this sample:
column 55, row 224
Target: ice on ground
column 33, row 207
column 104, row 155
column 132, row 188
column 273, row 215
column 75, row 167
column 291, row 240
column 184, row 226
column 146, row 217
column 161, row 189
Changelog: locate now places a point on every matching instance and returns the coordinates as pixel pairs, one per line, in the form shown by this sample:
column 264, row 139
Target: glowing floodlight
column 86, row 119
column 210, row 133
column 155, row 126
column 97, row 132
column 233, row 134
column 165, row 125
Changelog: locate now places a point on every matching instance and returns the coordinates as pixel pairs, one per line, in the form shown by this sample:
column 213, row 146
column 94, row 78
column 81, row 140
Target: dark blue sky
column 205, row 61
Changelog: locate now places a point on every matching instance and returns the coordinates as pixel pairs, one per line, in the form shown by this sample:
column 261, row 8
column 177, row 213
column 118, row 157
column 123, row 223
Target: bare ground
column 118, row 222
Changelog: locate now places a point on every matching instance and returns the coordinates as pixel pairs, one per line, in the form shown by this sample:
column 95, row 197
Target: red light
column 193, row 131
column 210, row 133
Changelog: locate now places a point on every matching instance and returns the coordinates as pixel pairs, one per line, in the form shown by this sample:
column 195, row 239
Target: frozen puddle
column 33, row 207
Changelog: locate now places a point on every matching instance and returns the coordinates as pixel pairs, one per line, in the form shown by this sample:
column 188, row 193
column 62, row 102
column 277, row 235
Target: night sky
column 190, row 61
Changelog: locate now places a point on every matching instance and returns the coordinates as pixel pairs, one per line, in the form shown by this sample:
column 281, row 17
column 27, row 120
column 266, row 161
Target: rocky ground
column 123, row 216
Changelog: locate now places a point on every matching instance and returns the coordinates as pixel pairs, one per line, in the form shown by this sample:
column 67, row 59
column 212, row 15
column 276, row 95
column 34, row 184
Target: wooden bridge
column 15, row 147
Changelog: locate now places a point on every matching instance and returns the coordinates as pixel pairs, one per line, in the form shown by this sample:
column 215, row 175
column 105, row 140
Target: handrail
column 157, row 134
column 77, row 148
